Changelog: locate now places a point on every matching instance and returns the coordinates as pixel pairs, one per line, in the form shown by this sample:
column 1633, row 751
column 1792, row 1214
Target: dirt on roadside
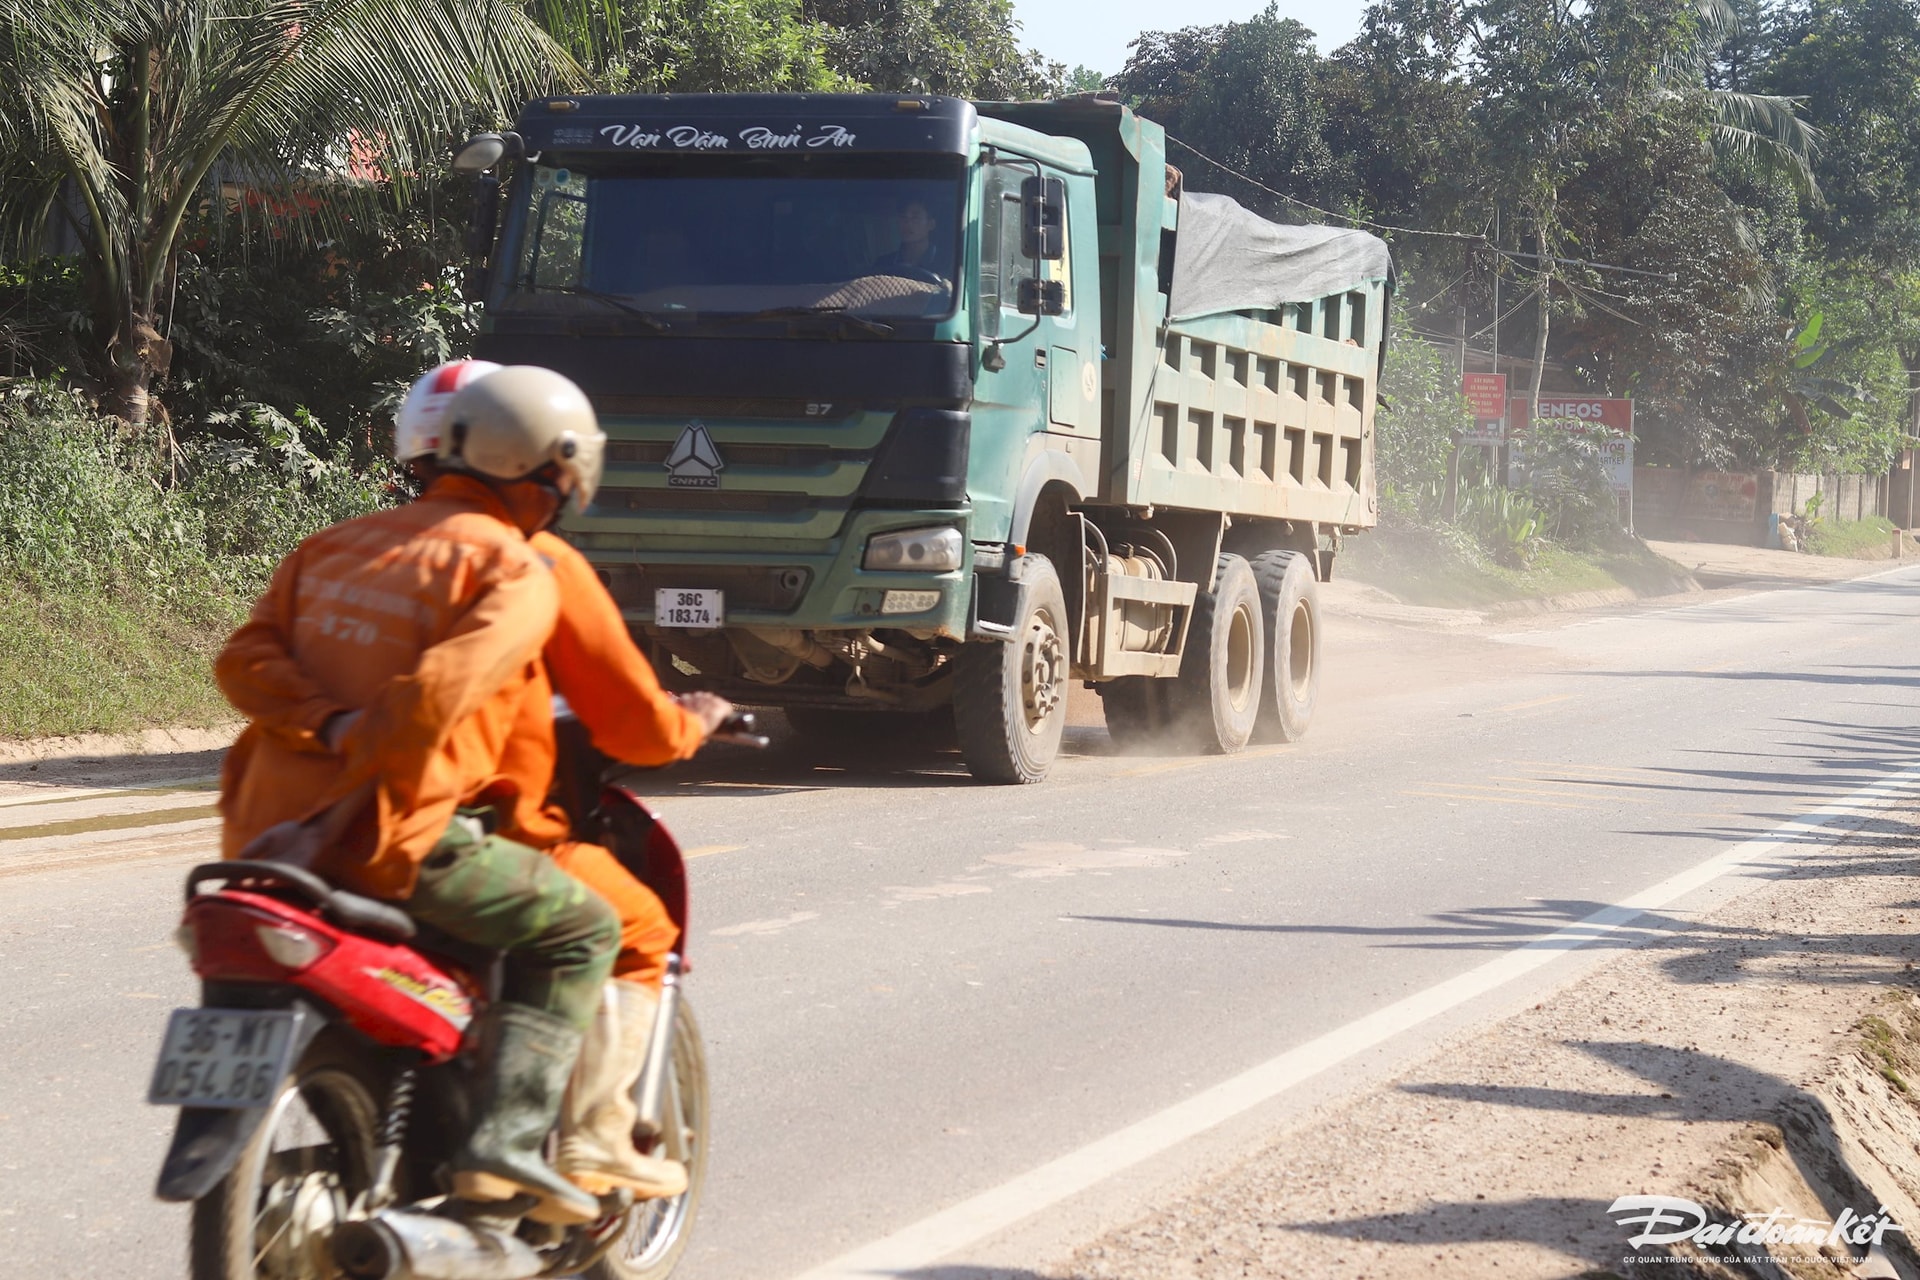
column 1763, row 1057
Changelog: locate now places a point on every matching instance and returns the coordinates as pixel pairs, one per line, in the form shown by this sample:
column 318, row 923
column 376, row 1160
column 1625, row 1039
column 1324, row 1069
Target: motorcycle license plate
column 684, row 607
column 222, row 1058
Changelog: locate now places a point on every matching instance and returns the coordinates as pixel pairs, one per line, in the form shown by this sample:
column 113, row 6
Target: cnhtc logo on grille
column 694, row 462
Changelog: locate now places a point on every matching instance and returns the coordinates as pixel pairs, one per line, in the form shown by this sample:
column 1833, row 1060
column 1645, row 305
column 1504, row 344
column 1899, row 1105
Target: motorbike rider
column 386, row 673
column 594, row 664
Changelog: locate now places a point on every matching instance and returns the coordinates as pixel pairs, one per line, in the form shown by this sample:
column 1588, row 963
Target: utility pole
column 1494, row 456
column 1450, row 500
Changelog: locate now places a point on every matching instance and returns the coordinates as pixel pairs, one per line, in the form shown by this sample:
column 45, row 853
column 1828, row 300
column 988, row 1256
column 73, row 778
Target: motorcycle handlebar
column 741, row 729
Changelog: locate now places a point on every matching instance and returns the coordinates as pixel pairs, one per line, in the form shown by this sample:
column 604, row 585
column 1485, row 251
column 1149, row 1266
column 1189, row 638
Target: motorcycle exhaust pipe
column 402, row 1245
column 651, row 1087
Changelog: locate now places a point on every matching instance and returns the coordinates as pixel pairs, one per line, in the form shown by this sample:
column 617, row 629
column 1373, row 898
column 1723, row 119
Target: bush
column 87, row 507
column 1416, row 428
column 1565, row 472
column 131, row 565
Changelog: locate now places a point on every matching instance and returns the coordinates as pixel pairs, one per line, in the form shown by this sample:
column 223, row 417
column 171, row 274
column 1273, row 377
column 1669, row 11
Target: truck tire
column 1215, row 699
column 1136, row 711
column 1010, row 699
column 1290, row 601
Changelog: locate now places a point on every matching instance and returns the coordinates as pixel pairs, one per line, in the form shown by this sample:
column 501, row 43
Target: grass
column 103, row 663
column 1420, row 567
column 1869, row 539
column 1879, row 1038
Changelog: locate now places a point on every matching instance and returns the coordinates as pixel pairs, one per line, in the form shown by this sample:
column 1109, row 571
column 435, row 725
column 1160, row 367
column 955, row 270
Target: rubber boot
column 523, row 1057
column 596, row 1124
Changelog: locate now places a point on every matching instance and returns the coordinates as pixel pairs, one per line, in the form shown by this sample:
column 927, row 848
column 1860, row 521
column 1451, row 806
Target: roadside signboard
column 1608, row 422
column 1487, row 393
column 1719, row 495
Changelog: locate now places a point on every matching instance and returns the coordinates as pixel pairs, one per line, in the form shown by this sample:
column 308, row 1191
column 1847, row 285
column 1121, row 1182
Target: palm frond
column 1769, row 128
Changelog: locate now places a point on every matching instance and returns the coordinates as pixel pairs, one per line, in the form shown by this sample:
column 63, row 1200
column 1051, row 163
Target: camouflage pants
column 560, row 938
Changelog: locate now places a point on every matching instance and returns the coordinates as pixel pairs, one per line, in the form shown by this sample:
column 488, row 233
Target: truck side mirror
column 484, row 150
column 1043, row 219
column 1042, row 297
column 480, row 232
column 479, row 155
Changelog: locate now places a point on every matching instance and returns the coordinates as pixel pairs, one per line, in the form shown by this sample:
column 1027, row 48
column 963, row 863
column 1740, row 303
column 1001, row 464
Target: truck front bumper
column 774, row 586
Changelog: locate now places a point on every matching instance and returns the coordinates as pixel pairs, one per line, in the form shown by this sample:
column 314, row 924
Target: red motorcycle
column 322, row 1081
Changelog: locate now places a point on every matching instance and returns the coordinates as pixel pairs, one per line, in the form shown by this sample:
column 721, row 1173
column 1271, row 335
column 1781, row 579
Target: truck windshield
column 734, row 236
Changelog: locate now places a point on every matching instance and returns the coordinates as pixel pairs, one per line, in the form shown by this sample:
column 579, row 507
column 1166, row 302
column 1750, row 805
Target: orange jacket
column 594, row 664
column 429, row 618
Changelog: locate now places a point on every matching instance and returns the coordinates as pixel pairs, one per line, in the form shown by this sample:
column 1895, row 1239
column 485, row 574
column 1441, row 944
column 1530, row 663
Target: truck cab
column 872, row 369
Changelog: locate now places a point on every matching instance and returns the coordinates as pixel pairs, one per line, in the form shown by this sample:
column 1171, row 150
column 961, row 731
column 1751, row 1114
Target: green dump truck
column 920, row 409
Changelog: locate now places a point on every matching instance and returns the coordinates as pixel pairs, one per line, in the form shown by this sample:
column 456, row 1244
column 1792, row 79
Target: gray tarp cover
column 1228, row 258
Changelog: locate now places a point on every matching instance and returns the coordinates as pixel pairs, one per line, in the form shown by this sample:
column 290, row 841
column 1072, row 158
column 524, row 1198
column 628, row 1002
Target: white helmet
column 510, row 424
column 416, row 428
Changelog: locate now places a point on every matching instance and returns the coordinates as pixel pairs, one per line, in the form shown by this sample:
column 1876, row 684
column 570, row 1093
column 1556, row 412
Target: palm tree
column 1555, row 73
column 119, row 111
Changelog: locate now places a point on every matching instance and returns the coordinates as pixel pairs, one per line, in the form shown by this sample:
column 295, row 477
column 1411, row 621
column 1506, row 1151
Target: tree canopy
column 1669, row 193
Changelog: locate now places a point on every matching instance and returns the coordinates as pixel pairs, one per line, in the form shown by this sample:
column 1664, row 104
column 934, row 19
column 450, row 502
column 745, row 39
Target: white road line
column 934, row 1238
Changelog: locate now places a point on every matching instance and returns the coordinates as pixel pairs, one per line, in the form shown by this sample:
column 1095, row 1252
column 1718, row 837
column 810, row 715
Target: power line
column 1326, row 213
column 1593, row 266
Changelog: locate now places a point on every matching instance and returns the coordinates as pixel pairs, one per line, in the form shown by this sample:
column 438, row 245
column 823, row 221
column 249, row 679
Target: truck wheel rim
column 1042, row 671
column 1241, row 658
column 1300, row 651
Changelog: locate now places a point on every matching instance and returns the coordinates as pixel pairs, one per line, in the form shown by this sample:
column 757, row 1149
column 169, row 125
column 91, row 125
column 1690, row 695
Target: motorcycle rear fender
column 207, row 1141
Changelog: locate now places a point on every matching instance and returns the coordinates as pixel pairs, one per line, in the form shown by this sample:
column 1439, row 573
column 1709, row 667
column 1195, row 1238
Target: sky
column 1095, row 33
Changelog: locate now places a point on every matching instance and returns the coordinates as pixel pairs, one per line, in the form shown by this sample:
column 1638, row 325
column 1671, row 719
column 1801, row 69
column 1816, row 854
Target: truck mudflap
column 999, row 598
column 207, row 1141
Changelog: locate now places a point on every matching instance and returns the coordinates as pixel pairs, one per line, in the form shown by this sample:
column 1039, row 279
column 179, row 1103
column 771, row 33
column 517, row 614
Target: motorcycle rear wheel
column 657, row 1231
column 270, row 1217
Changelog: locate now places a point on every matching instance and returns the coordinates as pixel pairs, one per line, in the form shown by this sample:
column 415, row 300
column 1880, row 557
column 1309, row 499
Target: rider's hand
column 335, row 730
column 711, row 708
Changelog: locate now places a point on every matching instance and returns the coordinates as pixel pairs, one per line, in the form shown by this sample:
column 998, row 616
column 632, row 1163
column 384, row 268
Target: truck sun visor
column 1228, row 258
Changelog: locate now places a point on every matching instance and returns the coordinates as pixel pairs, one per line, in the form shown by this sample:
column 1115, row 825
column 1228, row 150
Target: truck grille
column 618, row 501
column 784, row 456
column 768, row 590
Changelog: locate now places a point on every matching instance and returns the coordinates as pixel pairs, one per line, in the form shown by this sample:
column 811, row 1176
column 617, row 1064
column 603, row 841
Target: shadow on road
column 795, row 764
column 113, row 772
column 1874, row 845
column 1694, row 1088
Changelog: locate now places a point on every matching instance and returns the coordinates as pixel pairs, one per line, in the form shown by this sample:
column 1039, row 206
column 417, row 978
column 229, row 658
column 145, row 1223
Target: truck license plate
column 679, row 607
column 222, row 1058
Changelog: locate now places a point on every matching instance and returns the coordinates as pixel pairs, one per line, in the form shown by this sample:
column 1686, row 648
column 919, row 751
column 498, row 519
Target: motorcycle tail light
column 188, row 941
column 289, row 946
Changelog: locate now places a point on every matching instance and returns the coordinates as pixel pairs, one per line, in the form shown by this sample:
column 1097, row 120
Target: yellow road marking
column 114, row 822
column 1564, row 767
column 1524, row 791
column 1196, row 762
column 707, row 850
column 1590, row 782
column 1538, row 702
column 1540, row 804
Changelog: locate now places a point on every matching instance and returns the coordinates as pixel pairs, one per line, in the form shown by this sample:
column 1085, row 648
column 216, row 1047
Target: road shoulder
column 1751, row 1058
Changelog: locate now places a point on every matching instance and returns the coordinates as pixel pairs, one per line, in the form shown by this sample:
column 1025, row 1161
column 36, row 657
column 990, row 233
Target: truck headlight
column 922, row 550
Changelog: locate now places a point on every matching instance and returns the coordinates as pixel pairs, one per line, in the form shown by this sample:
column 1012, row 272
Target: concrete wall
column 1841, row 497
column 1710, row 506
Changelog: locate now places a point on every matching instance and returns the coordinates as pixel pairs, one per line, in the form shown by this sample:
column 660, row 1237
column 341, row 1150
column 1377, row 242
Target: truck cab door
column 1052, row 367
column 1073, row 337
column 1015, row 374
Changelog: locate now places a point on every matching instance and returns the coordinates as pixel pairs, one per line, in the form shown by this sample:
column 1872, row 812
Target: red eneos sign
column 1486, row 392
column 1589, row 412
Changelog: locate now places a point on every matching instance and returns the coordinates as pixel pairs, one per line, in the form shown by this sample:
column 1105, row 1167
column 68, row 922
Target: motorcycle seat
column 362, row 915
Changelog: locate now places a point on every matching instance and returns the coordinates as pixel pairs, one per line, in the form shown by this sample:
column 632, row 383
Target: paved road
column 917, row 989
